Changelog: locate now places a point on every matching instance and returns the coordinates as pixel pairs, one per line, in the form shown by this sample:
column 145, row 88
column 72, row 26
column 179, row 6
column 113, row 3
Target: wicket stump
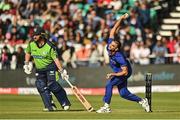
column 148, row 94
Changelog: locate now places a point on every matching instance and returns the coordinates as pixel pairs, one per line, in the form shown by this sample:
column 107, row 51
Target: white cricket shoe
column 46, row 109
column 54, row 108
column 104, row 109
column 67, row 107
column 144, row 104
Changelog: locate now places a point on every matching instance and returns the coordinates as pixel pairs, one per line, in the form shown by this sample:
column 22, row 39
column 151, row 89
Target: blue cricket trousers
column 121, row 83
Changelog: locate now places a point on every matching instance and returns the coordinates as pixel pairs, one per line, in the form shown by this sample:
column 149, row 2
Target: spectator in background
column 78, row 22
column 5, row 5
column 136, row 52
column 144, row 55
column 89, row 34
column 170, row 45
column 159, row 51
column 47, row 25
column 134, row 20
column 144, row 14
column 82, row 56
column 140, row 53
column 79, row 37
column 20, row 55
column 5, row 58
column 94, row 20
column 127, row 42
column 149, row 35
column 2, row 37
column 94, row 56
column 177, row 51
column 149, row 43
column 105, row 53
column 116, row 4
column 13, row 62
column 66, row 54
column 109, row 19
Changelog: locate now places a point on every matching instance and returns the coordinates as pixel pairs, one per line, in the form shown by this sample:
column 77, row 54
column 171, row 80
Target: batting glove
column 28, row 68
column 64, row 74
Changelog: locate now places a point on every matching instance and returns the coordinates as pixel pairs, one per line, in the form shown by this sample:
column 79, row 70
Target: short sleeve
column 110, row 40
column 54, row 53
column 28, row 49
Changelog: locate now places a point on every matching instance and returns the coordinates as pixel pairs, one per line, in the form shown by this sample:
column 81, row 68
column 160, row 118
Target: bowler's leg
column 108, row 95
column 108, row 92
column 126, row 94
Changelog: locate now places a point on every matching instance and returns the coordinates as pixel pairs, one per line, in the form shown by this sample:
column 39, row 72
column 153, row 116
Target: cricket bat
column 80, row 97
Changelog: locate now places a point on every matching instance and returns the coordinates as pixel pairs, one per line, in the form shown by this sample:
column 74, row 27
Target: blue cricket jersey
column 118, row 60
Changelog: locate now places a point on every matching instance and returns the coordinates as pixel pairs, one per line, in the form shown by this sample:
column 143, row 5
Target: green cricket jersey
column 43, row 56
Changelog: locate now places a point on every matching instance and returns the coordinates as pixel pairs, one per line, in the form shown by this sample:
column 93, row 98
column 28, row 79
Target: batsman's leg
column 44, row 93
column 57, row 90
column 52, row 103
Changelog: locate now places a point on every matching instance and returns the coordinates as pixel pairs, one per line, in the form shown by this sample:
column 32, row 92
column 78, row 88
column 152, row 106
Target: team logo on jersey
column 37, row 56
column 51, row 73
column 44, row 53
column 113, row 62
column 34, row 50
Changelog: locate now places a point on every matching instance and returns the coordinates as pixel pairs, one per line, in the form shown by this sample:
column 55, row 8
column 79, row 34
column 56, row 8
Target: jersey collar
column 40, row 46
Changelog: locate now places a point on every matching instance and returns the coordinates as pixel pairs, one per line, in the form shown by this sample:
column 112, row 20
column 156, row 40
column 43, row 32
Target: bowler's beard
column 111, row 52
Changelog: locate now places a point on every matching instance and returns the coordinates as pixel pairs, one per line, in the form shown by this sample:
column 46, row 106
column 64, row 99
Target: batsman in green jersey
column 47, row 64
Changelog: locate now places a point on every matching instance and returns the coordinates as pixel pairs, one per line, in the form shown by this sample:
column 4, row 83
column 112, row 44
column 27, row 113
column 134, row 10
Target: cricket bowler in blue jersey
column 47, row 64
column 121, row 72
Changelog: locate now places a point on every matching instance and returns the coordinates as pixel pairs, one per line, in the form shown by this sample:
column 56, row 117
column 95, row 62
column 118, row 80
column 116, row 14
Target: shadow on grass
column 73, row 110
column 166, row 111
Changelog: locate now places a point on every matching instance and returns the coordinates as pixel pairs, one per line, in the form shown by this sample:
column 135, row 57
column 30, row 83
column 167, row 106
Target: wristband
column 26, row 63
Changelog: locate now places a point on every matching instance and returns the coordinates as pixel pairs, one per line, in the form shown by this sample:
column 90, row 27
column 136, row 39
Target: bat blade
column 82, row 99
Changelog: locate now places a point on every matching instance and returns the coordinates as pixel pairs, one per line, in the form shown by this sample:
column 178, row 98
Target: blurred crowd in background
column 80, row 30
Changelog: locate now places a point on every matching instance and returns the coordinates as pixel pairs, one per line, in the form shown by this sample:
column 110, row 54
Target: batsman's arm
column 28, row 66
column 58, row 64
column 54, row 56
column 28, row 54
column 117, row 25
column 63, row 72
column 27, row 57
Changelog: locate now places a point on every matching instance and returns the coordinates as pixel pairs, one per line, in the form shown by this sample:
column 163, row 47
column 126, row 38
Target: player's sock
column 53, row 105
column 106, row 105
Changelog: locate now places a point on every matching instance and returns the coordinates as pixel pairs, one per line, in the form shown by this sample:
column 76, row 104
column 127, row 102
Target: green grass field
column 165, row 106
